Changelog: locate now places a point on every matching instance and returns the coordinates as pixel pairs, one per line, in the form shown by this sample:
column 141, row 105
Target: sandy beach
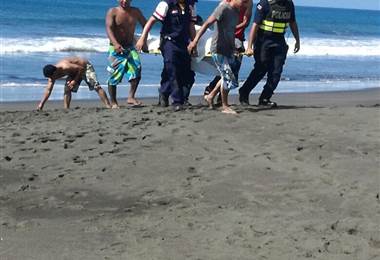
column 298, row 182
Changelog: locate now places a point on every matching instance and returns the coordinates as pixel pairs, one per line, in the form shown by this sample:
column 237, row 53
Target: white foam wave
column 337, row 47
column 20, row 85
column 53, row 44
column 309, row 46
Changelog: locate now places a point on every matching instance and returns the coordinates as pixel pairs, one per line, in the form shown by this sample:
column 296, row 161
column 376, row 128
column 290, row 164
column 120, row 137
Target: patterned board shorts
column 228, row 69
column 119, row 64
column 89, row 77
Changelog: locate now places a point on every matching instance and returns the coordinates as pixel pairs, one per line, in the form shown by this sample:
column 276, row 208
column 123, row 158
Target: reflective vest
column 278, row 17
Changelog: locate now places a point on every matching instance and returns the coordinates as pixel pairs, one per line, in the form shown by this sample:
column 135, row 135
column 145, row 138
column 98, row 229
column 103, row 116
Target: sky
column 354, row 4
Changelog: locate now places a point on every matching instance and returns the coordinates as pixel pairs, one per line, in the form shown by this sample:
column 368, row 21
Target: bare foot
column 115, row 106
column 228, row 110
column 209, row 100
column 134, row 102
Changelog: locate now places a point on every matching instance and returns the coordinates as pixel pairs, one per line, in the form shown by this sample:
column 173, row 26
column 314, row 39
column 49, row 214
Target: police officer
column 178, row 18
column 272, row 17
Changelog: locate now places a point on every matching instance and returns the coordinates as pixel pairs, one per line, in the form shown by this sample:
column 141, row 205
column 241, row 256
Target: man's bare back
column 74, row 69
column 70, row 67
column 121, row 24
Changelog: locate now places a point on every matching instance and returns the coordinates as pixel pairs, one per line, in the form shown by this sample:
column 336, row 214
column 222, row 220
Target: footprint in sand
column 175, row 130
column 114, row 151
column 127, row 139
column 226, row 166
column 16, row 134
column 79, row 135
column 78, row 160
column 191, row 169
column 70, row 140
column 47, row 139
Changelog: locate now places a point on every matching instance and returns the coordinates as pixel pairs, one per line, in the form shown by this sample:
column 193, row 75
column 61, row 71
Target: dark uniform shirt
column 263, row 8
column 175, row 22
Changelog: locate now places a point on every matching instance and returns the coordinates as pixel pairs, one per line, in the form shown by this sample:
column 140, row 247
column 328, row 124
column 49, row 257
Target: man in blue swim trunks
column 124, row 60
column 226, row 18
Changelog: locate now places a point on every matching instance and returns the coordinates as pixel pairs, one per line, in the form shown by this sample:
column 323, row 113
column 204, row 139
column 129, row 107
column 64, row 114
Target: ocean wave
column 53, row 44
column 337, row 47
column 309, row 46
column 18, row 85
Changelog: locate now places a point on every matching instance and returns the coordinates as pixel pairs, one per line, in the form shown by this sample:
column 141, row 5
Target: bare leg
column 210, row 97
column 67, row 98
column 112, row 92
column 103, row 96
column 132, row 92
column 225, row 106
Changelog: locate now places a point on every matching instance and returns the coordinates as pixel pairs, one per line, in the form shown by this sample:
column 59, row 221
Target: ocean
column 339, row 48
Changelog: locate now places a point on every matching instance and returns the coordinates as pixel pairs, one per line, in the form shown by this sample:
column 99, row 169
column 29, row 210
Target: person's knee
column 67, row 91
column 98, row 88
column 134, row 81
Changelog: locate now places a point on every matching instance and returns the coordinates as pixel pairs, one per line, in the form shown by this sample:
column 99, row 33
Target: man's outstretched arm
column 210, row 20
column 46, row 95
column 148, row 26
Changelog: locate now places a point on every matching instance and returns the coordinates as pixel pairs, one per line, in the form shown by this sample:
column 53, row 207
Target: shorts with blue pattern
column 126, row 64
column 228, row 68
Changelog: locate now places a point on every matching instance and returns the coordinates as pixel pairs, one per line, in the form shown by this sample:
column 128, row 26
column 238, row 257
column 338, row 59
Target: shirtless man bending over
column 75, row 70
column 123, row 58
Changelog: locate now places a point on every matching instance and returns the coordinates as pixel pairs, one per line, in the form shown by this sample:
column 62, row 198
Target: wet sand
column 298, row 182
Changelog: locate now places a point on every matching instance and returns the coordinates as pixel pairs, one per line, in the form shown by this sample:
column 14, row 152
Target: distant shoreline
column 336, row 98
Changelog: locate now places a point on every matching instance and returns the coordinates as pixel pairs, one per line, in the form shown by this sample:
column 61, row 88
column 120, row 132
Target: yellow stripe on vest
column 271, row 26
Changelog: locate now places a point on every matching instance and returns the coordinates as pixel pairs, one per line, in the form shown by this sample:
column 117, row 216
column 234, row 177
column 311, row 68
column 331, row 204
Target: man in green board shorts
column 124, row 60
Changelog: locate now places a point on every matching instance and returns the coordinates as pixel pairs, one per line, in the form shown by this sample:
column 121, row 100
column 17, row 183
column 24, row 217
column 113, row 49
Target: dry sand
column 298, row 182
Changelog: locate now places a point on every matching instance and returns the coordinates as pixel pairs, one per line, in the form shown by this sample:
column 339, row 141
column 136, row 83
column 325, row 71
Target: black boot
column 267, row 103
column 244, row 101
column 163, row 101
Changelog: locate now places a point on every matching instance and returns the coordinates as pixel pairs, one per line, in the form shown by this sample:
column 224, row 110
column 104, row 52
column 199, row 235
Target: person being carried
column 226, row 16
column 123, row 58
column 75, row 69
column 177, row 18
